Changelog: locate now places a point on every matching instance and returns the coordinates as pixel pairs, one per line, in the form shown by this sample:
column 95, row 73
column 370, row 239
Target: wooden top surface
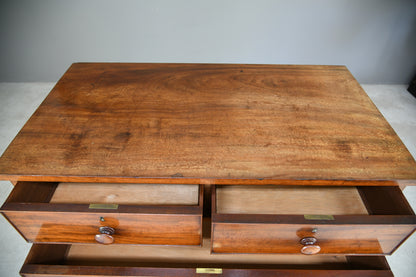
column 206, row 123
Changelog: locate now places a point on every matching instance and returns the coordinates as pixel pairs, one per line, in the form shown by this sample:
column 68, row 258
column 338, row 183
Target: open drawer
column 106, row 213
column 309, row 220
column 134, row 260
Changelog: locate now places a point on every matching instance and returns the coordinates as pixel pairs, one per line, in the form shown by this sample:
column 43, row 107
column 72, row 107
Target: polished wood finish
column 98, row 260
column 381, row 232
column 42, row 221
column 289, row 200
column 205, row 122
column 185, row 126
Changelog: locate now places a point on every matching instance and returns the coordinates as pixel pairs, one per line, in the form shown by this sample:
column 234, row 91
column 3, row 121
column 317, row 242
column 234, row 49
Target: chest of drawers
column 200, row 169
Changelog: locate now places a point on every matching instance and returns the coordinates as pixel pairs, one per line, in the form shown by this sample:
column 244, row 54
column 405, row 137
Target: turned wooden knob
column 309, row 247
column 105, row 236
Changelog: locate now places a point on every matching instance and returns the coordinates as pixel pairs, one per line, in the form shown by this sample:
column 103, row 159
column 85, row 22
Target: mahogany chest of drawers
column 208, row 169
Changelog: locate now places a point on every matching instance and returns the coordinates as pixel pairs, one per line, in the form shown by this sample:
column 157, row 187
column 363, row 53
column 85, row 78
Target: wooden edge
column 67, row 270
column 47, row 253
column 213, row 214
column 402, row 241
column 34, row 192
column 201, row 213
column 15, row 227
column 207, row 200
column 300, row 219
column 385, row 201
column 203, row 180
column 375, row 262
column 34, row 196
column 84, row 208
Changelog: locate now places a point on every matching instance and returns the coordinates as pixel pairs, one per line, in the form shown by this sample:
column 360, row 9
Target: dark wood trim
column 385, row 201
column 375, row 262
column 47, row 254
column 84, row 208
column 213, row 213
column 33, row 192
column 201, row 212
column 299, row 219
column 185, row 272
column 48, row 260
column 28, row 196
column 207, row 200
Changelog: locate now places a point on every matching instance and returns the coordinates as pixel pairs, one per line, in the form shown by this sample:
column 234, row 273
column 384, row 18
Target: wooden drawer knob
column 105, row 236
column 309, row 247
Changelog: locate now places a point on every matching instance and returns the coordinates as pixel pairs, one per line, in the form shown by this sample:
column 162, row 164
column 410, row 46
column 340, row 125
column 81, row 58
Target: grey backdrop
column 376, row 39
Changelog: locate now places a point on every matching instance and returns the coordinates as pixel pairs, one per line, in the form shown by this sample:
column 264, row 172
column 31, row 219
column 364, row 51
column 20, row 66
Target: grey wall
column 375, row 39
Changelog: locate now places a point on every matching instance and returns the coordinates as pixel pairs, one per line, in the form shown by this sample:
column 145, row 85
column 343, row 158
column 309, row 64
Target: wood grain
column 71, row 227
column 128, row 194
column 379, row 232
column 42, row 221
column 113, row 260
column 93, row 254
column 207, row 122
column 289, row 200
column 284, row 238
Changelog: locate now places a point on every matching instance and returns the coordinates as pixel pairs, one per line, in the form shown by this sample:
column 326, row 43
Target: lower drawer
column 310, row 220
column 106, row 213
column 133, row 260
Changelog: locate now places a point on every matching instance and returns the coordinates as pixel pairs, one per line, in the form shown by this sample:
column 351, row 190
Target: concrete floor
column 19, row 100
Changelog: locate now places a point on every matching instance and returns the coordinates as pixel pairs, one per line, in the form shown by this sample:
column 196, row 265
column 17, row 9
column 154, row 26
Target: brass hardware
column 105, row 236
column 209, row 270
column 308, row 241
column 318, row 217
column 309, row 247
column 103, row 206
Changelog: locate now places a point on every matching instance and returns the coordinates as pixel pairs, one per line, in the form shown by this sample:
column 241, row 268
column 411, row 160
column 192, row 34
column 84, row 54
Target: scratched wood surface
column 206, row 123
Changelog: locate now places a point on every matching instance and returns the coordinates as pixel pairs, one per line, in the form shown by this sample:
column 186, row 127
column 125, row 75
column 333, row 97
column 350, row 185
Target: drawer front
column 129, row 228
column 55, row 213
column 86, row 260
column 287, row 238
column 47, row 271
column 282, row 220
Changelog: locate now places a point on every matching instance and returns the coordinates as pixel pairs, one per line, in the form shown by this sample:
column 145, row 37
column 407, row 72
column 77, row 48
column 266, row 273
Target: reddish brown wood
column 45, row 222
column 32, row 192
column 32, row 270
column 376, row 199
column 346, row 234
column 39, row 265
column 50, row 254
column 209, row 123
column 207, row 181
column 285, row 238
column 130, row 228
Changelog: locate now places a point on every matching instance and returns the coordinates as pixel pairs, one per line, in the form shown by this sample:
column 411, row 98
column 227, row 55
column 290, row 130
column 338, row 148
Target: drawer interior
column 185, row 257
column 303, row 200
column 105, row 193
column 288, row 200
column 116, row 254
column 127, row 194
